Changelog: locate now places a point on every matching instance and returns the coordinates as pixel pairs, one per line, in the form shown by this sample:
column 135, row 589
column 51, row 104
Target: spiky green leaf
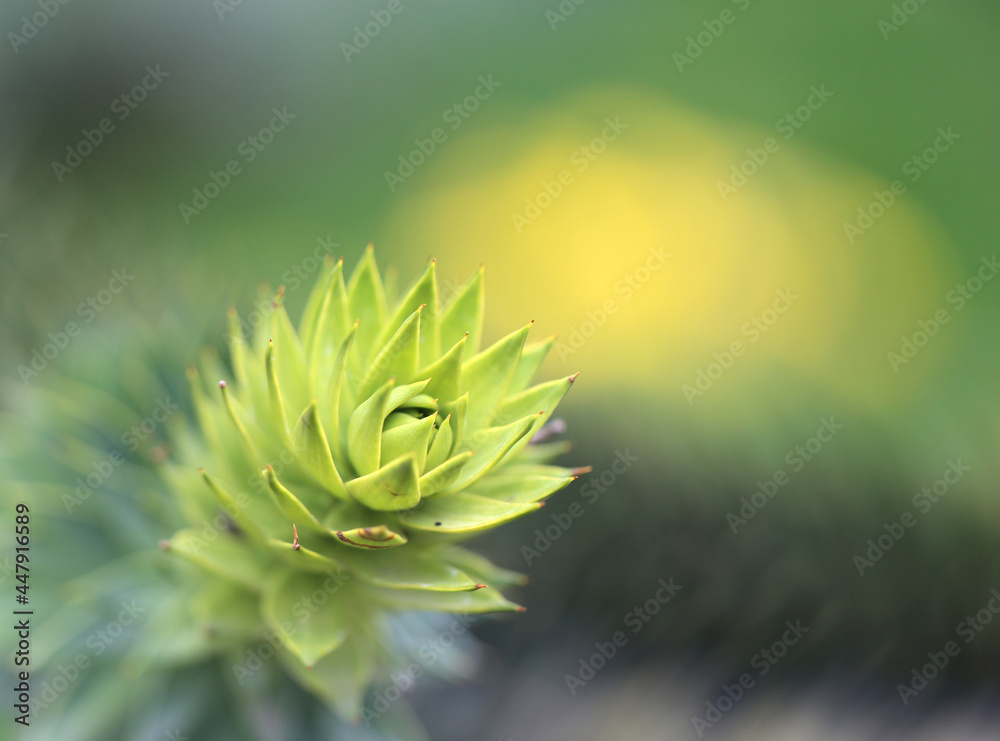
column 463, row 314
column 479, row 601
column 314, row 451
column 485, row 376
column 463, row 513
column 307, row 610
column 290, row 505
column 395, row 486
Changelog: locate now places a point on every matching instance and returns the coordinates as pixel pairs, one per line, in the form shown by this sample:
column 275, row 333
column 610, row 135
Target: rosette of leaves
column 337, row 468
column 122, row 647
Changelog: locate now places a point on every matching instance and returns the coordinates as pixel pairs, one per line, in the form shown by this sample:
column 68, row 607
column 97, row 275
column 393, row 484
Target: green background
column 325, row 177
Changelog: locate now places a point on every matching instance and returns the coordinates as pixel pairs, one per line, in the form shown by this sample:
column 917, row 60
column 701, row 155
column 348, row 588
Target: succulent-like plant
column 335, row 474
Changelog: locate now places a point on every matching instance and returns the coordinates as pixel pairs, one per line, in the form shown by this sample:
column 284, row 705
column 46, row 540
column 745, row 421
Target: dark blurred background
column 741, row 219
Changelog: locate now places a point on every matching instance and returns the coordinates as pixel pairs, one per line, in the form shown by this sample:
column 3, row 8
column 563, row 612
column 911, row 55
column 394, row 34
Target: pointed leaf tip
column 392, row 487
column 314, row 451
column 290, row 505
